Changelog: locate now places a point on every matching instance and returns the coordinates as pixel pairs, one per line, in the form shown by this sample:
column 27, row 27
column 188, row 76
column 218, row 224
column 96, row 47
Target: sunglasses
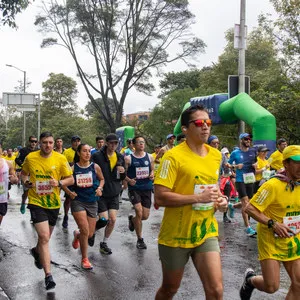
column 33, row 141
column 200, row 122
column 247, row 139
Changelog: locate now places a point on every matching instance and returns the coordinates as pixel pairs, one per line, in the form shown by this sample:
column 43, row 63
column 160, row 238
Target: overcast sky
column 21, row 48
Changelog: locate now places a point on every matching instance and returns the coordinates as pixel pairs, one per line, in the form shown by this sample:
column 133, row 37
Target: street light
column 24, row 91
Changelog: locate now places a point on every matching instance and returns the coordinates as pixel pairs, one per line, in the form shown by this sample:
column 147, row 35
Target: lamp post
column 24, row 91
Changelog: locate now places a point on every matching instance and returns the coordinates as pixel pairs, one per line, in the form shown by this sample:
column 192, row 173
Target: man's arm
column 165, row 197
column 20, row 158
column 159, row 155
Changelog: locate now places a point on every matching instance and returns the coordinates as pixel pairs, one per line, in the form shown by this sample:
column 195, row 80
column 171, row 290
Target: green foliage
column 9, row 9
column 128, row 41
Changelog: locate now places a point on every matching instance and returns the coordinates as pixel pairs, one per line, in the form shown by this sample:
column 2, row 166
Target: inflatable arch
column 241, row 107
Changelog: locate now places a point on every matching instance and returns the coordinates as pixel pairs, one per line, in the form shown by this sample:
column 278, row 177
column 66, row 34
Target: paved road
column 128, row 273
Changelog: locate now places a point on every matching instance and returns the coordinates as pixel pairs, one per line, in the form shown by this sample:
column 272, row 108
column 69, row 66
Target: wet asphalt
column 129, row 273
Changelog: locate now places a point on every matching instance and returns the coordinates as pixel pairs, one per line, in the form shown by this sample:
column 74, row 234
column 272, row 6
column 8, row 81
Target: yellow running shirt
column 69, row 154
column 260, row 164
column 41, row 170
column 275, row 160
column 182, row 170
column 277, row 202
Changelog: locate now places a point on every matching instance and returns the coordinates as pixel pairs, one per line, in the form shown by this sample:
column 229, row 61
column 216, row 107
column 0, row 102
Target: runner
column 186, row 184
column 275, row 159
column 58, row 146
column 99, row 144
column 88, row 187
column 69, row 153
column 140, row 174
column 112, row 165
column 23, row 152
column 277, row 209
column 7, row 175
column 48, row 171
column 170, row 144
column 243, row 160
column 262, row 167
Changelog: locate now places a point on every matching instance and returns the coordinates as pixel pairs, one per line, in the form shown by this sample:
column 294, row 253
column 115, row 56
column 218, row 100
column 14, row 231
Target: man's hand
column 208, row 195
column 222, row 204
column 282, row 230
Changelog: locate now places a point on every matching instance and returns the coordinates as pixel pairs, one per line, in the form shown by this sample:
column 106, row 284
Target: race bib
column 2, row 188
column 43, row 188
column 266, row 174
column 249, row 178
column 198, row 189
column 293, row 223
column 84, row 180
column 142, row 172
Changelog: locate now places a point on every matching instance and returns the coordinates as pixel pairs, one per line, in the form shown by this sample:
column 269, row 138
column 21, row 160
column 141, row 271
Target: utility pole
column 242, row 46
column 24, row 115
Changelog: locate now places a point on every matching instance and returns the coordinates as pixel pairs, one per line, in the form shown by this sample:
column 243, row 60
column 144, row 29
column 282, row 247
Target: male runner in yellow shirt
column 186, row 183
column 48, row 171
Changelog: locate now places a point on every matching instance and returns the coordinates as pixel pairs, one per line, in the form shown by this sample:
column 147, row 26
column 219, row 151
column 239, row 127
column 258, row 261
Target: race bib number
column 249, row 178
column 293, row 223
column 266, row 174
column 142, row 172
column 84, row 180
column 198, row 189
column 43, row 188
column 2, row 188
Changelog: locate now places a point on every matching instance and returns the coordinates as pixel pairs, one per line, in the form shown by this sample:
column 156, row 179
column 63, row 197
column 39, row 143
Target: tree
column 127, row 39
column 9, row 9
column 285, row 31
column 59, row 93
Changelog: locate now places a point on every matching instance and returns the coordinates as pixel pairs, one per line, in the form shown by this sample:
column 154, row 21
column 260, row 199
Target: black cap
column 75, row 138
column 112, row 138
column 262, row 149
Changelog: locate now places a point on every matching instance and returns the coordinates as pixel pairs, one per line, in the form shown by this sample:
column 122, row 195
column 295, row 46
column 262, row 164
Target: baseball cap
column 170, row 136
column 244, row 135
column 292, row 152
column 211, row 138
column 75, row 138
column 112, row 138
column 224, row 150
column 262, row 149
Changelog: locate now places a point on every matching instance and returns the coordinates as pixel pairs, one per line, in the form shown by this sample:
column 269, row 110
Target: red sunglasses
column 201, row 122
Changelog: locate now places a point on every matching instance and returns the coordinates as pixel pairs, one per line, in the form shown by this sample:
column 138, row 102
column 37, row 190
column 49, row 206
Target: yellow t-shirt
column 184, row 226
column 260, row 164
column 275, row 160
column 12, row 160
column 69, row 153
column 276, row 202
column 41, row 170
column 113, row 160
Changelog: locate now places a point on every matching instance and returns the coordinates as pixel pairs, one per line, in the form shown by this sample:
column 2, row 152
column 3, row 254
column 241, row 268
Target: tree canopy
column 128, row 42
column 9, row 9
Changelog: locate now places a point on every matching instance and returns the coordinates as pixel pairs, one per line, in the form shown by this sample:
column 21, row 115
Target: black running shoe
column 140, row 244
column 91, row 240
column 65, row 222
column 130, row 223
column 226, row 219
column 36, row 257
column 104, row 248
column 49, row 282
column 247, row 288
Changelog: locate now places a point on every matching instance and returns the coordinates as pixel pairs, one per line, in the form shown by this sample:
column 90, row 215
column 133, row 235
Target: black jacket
column 23, row 152
column 113, row 184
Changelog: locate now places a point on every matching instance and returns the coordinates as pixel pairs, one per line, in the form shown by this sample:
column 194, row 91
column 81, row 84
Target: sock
column 105, row 239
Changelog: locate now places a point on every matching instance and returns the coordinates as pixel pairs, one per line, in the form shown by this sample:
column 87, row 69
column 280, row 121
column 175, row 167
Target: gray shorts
column 175, row 258
column 91, row 208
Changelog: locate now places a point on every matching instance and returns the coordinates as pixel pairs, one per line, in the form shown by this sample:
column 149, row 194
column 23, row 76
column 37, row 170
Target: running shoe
column 226, row 219
column 36, row 257
column 231, row 210
column 250, row 231
column 76, row 242
column 247, row 288
column 65, row 222
column 23, row 208
column 130, row 223
column 104, row 248
column 85, row 264
column 91, row 240
column 140, row 244
column 49, row 282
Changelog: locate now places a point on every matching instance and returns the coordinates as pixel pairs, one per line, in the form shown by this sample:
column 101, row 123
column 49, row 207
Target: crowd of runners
column 189, row 177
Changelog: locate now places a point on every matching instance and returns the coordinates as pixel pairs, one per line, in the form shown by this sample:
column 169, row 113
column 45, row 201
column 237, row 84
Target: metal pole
column 39, row 117
column 24, row 115
column 241, row 72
